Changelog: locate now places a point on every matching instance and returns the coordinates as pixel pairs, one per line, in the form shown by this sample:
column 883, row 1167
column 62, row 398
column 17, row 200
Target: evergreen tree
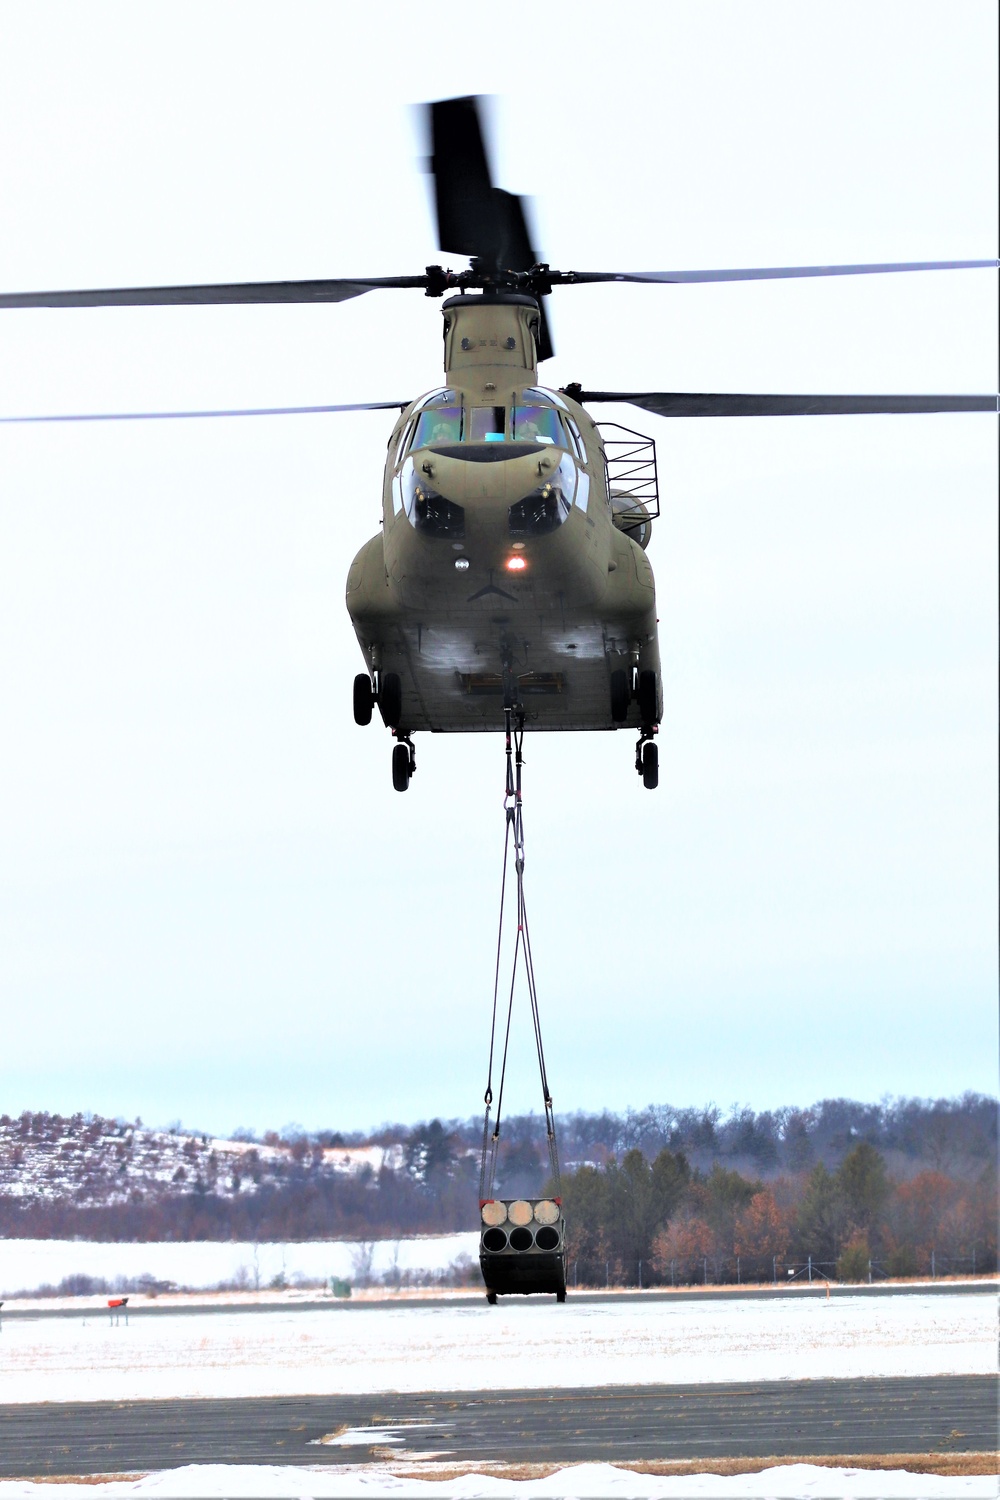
column 820, row 1220
column 864, row 1188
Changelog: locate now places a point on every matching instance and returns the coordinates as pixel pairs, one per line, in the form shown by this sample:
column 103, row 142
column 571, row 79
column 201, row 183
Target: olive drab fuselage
column 499, row 574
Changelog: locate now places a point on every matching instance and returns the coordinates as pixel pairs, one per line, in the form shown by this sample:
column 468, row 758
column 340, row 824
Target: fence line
column 738, row 1270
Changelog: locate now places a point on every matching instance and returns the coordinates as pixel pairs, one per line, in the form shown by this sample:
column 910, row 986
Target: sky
column 213, row 906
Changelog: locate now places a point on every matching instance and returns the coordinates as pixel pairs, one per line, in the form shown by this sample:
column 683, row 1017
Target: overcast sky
column 213, row 906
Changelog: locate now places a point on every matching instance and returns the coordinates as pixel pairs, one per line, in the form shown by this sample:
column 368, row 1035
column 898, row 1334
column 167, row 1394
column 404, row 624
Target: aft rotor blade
column 780, row 273
column 243, row 411
column 222, row 292
column 463, row 187
column 678, row 404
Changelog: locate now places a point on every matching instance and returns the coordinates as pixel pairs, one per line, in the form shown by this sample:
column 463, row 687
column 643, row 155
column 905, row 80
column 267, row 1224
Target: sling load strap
column 514, row 828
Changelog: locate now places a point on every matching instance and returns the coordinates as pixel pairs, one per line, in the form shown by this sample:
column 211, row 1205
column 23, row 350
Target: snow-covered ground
column 584, row 1481
column 519, row 1344
column 27, row 1264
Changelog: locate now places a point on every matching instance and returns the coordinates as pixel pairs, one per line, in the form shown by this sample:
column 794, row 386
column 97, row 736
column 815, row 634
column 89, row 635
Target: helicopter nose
column 484, row 472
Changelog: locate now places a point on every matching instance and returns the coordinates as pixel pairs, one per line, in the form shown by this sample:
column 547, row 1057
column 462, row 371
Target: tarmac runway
column 206, row 1305
column 943, row 1414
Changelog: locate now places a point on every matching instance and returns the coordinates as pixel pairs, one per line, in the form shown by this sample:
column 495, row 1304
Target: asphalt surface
column 346, row 1304
column 953, row 1414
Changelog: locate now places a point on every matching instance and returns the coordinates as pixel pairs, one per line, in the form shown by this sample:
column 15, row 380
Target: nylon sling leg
column 514, row 821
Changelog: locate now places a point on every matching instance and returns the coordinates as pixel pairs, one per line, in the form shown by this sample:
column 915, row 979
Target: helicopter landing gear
column 629, row 685
column 646, row 697
column 386, row 690
column 390, row 699
column 364, row 699
column 647, row 759
column 491, row 1298
column 620, row 695
column 404, row 762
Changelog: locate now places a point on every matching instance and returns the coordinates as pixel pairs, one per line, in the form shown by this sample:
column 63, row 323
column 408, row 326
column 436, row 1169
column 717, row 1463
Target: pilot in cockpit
column 445, row 430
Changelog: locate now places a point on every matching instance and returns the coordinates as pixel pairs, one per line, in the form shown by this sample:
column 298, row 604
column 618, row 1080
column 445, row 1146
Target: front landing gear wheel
column 364, row 699
column 491, row 1298
column 650, row 766
column 560, row 1296
column 400, row 767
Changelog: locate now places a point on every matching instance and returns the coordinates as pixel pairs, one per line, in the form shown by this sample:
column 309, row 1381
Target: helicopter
column 509, row 578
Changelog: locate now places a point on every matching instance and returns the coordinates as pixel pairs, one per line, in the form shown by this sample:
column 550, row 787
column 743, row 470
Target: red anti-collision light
column 515, row 564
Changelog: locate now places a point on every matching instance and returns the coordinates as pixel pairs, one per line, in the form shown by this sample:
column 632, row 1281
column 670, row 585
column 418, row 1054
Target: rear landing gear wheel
column 619, row 695
column 390, row 699
column 364, row 699
column 401, row 767
column 560, row 1296
column 650, row 766
column 491, row 1298
column 646, row 694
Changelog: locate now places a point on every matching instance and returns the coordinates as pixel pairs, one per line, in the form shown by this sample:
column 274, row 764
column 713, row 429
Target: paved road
column 955, row 1413
column 710, row 1294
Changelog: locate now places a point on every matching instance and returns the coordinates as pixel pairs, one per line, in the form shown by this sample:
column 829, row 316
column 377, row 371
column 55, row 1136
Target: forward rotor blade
column 675, row 404
column 247, row 411
column 463, row 187
column 779, row 273
column 474, row 217
column 514, row 252
column 223, row 292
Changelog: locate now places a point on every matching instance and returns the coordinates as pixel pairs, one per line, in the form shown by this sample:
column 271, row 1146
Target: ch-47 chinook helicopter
column 509, row 575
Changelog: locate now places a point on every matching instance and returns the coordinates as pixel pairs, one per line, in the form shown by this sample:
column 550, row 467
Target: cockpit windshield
column 440, row 421
column 487, row 424
column 538, row 424
column 534, row 418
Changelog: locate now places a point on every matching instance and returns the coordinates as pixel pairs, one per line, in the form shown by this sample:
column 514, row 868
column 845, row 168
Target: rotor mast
column 490, row 338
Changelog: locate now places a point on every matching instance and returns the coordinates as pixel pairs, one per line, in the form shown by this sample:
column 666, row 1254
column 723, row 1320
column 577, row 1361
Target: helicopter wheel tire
column 619, row 695
column 650, row 766
column 491, row 1298
column 364, row 699
column 646, row 695
column 390, row 699
column 401, row 767
column 560, row 1296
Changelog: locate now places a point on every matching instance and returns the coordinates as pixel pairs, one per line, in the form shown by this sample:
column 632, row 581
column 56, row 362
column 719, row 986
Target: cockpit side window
column 577, row 436
column 403, row 441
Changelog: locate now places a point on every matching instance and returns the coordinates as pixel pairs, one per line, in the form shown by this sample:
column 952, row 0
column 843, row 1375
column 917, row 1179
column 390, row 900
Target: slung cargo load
column 522, row 1247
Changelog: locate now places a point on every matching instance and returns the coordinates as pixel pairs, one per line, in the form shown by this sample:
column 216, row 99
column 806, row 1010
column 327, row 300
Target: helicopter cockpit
column 535, row 418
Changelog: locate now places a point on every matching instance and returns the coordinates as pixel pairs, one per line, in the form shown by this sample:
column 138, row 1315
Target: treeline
column 641, row 1222
column 948, row 1135
column 681, row 1191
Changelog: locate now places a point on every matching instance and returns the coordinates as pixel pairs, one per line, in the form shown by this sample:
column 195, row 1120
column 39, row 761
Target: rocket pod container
column 522, row 1246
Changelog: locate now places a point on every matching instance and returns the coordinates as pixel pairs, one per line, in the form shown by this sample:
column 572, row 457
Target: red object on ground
column 117, row 1301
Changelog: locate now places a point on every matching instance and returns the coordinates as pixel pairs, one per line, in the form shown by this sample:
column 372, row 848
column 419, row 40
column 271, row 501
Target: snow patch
column 26, row 1264
column 580, row 1482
